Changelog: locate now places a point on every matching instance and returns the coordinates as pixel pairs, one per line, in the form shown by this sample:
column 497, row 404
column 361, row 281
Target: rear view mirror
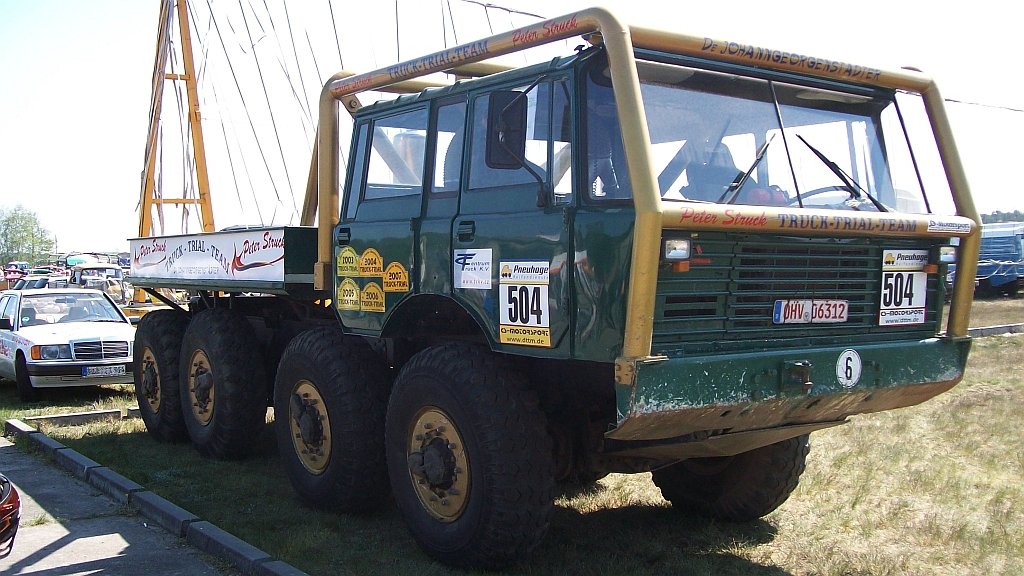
column 506, row 129
column 5, row 324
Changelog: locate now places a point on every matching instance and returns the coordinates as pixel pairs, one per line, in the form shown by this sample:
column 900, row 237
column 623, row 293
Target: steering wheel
column 817, row 191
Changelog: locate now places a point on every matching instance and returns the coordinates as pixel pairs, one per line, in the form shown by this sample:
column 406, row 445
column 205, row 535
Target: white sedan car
column 53, row 338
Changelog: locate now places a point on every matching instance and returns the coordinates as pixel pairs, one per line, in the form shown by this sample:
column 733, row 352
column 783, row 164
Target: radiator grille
column 727, row 297
column 97, row 350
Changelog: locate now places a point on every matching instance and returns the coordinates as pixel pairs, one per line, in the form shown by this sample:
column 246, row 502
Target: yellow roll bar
column 651, row 215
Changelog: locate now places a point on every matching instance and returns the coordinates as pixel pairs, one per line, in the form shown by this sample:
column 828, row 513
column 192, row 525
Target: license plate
column 93, row 371
column 810, row 311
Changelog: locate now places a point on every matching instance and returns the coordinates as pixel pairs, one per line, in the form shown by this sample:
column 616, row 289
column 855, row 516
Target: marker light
column 677, row 249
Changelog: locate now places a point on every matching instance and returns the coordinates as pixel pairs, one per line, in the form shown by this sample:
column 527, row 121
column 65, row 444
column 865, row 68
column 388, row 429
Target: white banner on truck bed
column 249, row 255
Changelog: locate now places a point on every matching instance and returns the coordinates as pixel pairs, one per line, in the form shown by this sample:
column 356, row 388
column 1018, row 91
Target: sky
column 74, row 107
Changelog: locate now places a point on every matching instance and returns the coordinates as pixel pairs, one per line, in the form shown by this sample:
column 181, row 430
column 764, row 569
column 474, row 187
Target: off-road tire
column 736, row 488
column 348, row 382
column 25, row 390
column 157, row 351
column 239, row 406
column 504, row 511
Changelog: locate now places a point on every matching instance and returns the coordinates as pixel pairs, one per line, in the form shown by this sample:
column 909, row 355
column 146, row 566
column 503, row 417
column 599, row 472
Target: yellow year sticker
column 396, row 278
column 372, row 298
column 348, row 295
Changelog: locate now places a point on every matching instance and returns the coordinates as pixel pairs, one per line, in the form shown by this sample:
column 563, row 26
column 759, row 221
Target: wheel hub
column 438, row 465
column 150, row 381
column 310, row 427
column 202, row 388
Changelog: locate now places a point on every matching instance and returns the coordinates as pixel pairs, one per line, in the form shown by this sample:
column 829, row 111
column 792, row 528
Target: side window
column 561, row 136
column 397, row 150
column 538, row 133
column 357, row 172
column 8, row 308
column 451, row 135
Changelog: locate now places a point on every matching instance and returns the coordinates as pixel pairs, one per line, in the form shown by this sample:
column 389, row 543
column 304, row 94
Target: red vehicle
column 10, row 515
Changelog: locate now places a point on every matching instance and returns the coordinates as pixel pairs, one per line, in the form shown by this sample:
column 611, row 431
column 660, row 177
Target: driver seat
column 76, row 313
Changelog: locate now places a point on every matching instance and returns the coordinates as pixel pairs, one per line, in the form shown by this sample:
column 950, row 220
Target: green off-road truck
column 657, row 253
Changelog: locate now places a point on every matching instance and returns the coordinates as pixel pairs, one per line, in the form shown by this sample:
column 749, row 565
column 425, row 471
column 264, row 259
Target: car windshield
column 731, row 139
column 69, row 307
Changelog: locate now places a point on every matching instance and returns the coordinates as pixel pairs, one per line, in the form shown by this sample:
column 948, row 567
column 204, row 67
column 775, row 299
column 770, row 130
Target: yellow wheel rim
column 201, row 388
column 310, row 427
column 438, row 464
column 151, row 389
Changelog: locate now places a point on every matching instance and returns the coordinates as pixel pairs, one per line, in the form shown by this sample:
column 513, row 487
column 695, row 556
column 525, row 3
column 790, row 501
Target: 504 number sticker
column 904, row 289
column 523, row 304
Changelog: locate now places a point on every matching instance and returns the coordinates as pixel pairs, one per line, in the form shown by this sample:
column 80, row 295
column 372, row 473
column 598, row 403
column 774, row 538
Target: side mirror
column 5, row 324
column 506, row 129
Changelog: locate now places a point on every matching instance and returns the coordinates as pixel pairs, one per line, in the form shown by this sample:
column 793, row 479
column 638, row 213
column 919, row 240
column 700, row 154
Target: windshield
column 70, row 307
column 730, row 139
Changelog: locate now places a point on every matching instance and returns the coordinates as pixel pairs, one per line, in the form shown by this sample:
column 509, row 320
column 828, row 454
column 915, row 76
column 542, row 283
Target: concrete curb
column 996, row 330
column 209, row 538
column 168, row 516
column 199, row 533
column 77, row 418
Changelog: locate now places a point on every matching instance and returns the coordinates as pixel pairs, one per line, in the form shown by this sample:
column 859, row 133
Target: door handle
column 342, row 236
column 466, row 230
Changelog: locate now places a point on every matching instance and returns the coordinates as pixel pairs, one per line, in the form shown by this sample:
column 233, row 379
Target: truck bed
column 248, row 260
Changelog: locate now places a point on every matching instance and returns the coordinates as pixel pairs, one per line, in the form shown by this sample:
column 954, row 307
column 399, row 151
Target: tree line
column 22, row 237
column 998, row 216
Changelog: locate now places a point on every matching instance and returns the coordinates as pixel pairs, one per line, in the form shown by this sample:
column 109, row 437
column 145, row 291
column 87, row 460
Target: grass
column 933, row 489
column 997, row 312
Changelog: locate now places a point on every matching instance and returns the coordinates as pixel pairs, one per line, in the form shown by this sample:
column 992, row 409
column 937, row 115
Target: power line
column 983, row 105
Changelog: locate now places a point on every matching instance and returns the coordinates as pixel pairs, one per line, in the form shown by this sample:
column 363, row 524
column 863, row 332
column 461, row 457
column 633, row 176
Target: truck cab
column 799, row 255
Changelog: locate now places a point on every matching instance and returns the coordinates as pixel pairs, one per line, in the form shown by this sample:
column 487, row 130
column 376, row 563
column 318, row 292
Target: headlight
column 677, row 249
column 52, row 352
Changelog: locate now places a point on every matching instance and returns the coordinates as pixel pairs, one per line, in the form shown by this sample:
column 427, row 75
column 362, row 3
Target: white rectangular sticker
column 903, row 298
column 810, row 311
column 904, row 259
column 955, row 227
column 524, row 309
column 472, row 269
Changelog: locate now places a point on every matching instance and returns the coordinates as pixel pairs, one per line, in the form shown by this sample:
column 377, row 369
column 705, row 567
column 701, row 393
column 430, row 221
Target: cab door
column 434, row 276
column 374, row 243
column 511, row 240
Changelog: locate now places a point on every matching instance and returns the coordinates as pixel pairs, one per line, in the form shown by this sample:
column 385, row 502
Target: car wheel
column 736, row 488
column 222, row 385
column 157, row 350
column 330, row 396
column 25, row 390
column 470, row 462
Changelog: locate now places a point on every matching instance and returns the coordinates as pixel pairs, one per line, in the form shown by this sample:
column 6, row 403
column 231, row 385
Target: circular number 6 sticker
column 848, row 368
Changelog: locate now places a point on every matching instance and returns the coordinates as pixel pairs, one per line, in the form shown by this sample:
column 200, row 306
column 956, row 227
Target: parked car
column 60, row 337
column 37, row 281
column 106, row 277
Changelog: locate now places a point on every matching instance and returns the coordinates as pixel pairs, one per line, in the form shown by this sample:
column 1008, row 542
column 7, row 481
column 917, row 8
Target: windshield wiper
column 856, row 191
column 737, row 184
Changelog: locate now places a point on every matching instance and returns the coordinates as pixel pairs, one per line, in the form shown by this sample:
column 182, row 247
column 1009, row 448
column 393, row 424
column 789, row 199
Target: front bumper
column 55, row 375
column 687, row 400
